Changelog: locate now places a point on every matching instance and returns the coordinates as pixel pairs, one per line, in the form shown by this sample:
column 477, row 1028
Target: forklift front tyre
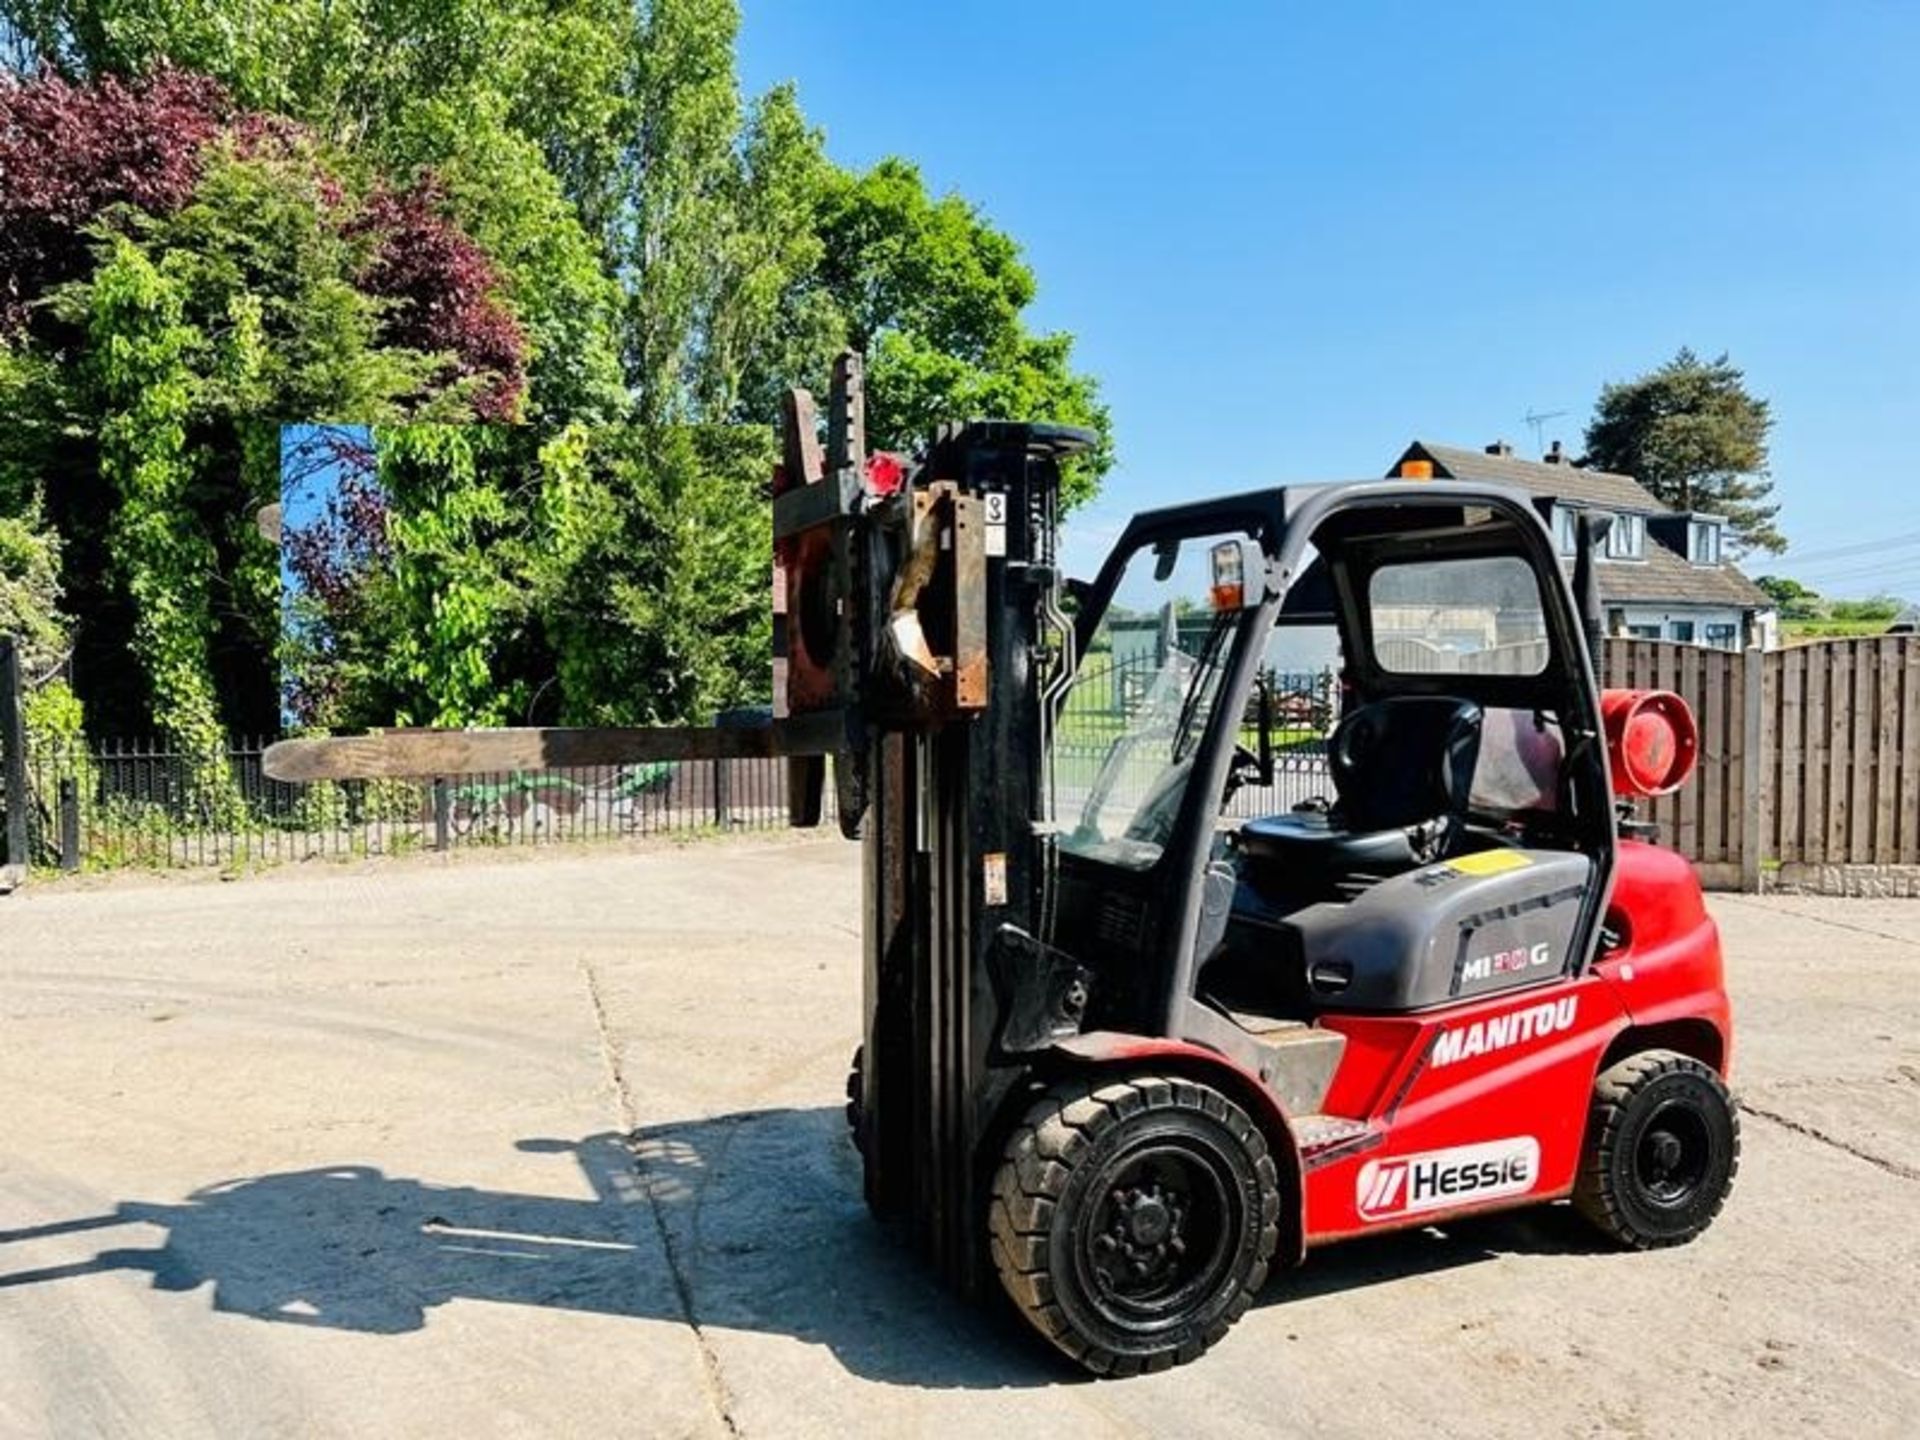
column 1663, row 1143
column 1132, row 1222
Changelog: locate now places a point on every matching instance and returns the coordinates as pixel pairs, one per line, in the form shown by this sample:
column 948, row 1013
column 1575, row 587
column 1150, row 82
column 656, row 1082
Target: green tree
column 673, row 256
column 355, row 69
column 1795, row 601
column 522, row 108
column 503, row 195
column 652, row 568
column 711, row 245
column 449, row 600
column 682, row 166
column 1694, row 435
column 772, row 323
column 1876, row 609
column 935, row 295
column 263, row 264
column 140, row 345
column 269, row 270
column 30, row 593
column 617, row 575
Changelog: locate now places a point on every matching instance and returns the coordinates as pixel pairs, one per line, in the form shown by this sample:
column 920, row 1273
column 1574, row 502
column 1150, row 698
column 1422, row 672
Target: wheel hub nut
column 1148, row 1220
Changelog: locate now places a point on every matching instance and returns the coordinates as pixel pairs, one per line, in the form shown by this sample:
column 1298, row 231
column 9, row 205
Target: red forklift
column 1126, row 1055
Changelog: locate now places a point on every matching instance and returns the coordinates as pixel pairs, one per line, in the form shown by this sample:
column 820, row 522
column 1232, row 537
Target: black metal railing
column 130, row 803
column 143, row 804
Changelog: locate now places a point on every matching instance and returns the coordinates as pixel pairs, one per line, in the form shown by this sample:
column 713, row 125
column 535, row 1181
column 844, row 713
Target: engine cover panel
column 1475, row 925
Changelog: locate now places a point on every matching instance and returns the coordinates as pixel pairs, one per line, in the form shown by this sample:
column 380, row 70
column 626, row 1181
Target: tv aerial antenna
column 1537, row 419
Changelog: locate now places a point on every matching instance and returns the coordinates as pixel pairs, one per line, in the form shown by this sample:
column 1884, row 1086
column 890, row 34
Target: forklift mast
column 923, row 622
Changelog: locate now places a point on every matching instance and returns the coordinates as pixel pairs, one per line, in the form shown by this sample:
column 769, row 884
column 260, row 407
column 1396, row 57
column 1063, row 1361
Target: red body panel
column 1512, row 1068
column 1669, row 969
column 1483, row 1105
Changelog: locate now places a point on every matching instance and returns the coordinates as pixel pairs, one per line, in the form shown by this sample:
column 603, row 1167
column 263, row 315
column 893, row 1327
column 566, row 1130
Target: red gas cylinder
column 1652, row 741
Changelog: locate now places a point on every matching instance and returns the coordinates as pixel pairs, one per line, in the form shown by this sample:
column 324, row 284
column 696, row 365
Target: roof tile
column 1562, row 482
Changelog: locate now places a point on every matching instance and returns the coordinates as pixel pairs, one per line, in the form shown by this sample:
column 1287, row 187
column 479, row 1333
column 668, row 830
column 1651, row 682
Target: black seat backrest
column 1404, row 761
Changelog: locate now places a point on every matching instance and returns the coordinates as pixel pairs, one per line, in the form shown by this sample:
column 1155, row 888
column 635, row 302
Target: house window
column 1721, row 637
column 1627, row 539
column 1681, row 630
column 1564, row 530
column 1644, row 632
column 1703, row 542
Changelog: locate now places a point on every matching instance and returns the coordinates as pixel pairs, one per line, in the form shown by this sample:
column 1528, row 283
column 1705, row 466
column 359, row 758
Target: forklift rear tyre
column 1132, row 1221
column 1663, row 1143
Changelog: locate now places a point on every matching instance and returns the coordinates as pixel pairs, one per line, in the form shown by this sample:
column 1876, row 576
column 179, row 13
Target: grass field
column 1796, row 632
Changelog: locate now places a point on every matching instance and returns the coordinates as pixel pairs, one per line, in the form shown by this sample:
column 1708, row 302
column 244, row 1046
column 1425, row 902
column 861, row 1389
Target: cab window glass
column 1128, row 733
column 1480, row 615
column 1301, row 667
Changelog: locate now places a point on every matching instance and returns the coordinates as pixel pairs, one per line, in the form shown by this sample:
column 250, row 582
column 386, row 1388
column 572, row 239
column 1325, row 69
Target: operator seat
column 1402, row 770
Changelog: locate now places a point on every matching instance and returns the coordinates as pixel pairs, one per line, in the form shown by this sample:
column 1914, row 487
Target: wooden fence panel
column 1664, row 674
column 1681, row 673
column 1706, row 819
column 1813, row 830
column 1860, row 743
column 1886, row 750
column 1907, row 788
column 1786, row 732
column 1833, row 777
column 1834, row 748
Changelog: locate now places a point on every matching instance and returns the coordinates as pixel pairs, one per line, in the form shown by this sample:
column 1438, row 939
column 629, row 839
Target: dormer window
column 1565, row 533
column 1703, row 542
column 1627, row 539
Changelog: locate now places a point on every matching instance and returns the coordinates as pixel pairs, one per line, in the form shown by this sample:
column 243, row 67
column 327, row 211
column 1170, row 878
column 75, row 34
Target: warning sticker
column 1489, row 862
column 996, row 501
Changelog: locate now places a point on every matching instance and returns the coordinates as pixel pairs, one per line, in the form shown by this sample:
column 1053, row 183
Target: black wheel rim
column 1673, row 1155
column 1159, row 1232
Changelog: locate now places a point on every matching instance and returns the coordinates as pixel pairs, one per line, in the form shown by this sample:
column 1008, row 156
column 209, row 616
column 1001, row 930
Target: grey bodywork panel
column 1475, row 925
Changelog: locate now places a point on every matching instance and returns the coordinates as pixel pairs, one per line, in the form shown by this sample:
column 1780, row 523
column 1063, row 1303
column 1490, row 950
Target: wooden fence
column 1809, row 756
column 1840, row 771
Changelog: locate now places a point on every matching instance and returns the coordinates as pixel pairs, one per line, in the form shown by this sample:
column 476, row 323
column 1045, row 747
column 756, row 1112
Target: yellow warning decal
column 1489, row 862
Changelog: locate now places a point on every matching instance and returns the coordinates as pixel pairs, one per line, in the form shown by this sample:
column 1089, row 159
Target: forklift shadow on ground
column 754, row 1216
column 751, row 1220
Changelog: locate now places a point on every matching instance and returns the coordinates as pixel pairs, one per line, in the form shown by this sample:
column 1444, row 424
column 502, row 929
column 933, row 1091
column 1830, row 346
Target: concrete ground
column 345, row 1152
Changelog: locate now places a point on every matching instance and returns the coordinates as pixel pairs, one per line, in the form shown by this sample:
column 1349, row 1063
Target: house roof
column 1562, row 482
column 1664, row 577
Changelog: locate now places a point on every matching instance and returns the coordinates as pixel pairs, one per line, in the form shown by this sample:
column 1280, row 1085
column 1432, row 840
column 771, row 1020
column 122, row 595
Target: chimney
column 1554, row 456
column 1499, row 447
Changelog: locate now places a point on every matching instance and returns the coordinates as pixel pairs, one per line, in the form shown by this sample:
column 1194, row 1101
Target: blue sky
column 1289, row 238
